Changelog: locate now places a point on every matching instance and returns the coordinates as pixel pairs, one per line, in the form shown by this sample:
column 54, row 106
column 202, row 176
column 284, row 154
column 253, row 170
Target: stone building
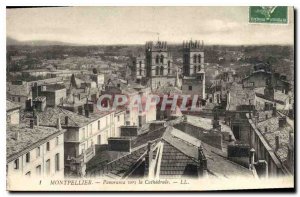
column 12, row 113
column 55, row 93
column 84, row 131
column 272, row 140
column 34, row 151
column 156, row 67
column 193, row 82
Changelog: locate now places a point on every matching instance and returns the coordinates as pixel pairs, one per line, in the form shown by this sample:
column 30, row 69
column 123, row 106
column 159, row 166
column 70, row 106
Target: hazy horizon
column 87, row 26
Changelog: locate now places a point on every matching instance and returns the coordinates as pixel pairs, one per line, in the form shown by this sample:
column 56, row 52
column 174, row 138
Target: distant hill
column 11, row 41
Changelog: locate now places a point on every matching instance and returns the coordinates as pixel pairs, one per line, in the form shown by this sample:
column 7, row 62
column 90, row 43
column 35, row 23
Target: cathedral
column 156, row 67
column 193, row 82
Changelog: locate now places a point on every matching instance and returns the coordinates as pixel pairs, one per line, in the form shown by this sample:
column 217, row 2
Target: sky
column 136, row 25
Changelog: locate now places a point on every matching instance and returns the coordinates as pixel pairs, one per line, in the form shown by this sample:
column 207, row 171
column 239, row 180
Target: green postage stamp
column 268, row 14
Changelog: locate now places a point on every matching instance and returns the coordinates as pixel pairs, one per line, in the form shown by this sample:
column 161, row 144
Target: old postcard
column 150, row 98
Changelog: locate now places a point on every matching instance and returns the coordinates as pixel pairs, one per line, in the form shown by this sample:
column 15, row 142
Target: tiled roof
column 50, row 115
column 217, row 163
column 179, row 159
column 28, row 139
column 206, row 123
column 171, row 90
column 54, row 87
column 273, row 130
column 176, row 164
column 40, row 98
column 239, row 96
column 11, row 105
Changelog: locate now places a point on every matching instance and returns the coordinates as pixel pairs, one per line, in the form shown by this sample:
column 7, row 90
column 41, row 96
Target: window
column 161, row 70
column 28, row 157
column 48, row 167
column 98, row 124
column 38, row 152
column 13, row 98
column 16, row 164
column 118, row 117
column 190, row 87
column 195, row 58
column 83, row 134
column 157, row 59
column 57, row 162
column 99, row 139
column 19, row 99
column 157, row 70
column 161, row 59
column 266, row 116
column 199, row 58
column 140, row 63
column 186, row 58
column 90, row 131
column 82, row 147
column 38, row 170
column 28, row 173
column 48, row 146
column 57, row 141
column 169, row 67
column 195, row 69
column 266, row 129
column 8, row 118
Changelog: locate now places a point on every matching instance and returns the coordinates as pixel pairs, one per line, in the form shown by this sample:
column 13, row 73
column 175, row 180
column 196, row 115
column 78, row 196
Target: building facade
column 193, row 82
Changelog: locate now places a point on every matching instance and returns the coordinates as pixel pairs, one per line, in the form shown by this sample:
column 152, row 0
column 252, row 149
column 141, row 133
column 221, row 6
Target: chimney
column 282, row 121
column 274, row 112
column 252, row 154
column 28, row 105
column 66, row 120
column 16, row 136
column 37, row 121
column 263, row 166
column 148, row 161
column 58, row 125
column 202, row 163
column 31, row 123
column 277, row 144
column 87, row 113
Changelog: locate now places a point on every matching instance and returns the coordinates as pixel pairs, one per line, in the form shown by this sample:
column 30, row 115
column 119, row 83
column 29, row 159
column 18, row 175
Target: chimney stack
column 282, row 121
column 277, row 143
column 202, row 163
column 87, row 113
column 37, row 121
column 148, row 160
column 58, row 125
column 17, row 135
column 66, row 120
column 28, row 105
column 252, row 154
column 31, row 123
column 274, row 112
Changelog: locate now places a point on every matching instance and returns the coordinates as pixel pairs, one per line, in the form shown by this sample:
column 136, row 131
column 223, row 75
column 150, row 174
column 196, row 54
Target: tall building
column 193, row 57
column 193, row 82
column 159, row 64
column 156, row 67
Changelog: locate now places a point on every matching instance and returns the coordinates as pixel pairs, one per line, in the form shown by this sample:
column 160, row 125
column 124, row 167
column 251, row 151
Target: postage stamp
column 268, row 14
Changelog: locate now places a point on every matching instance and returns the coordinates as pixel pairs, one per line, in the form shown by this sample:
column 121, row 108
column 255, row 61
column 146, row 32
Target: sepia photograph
column 150, row 98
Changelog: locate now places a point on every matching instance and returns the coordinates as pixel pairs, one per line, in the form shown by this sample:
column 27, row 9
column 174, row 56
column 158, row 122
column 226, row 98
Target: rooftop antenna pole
column 158, row 37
